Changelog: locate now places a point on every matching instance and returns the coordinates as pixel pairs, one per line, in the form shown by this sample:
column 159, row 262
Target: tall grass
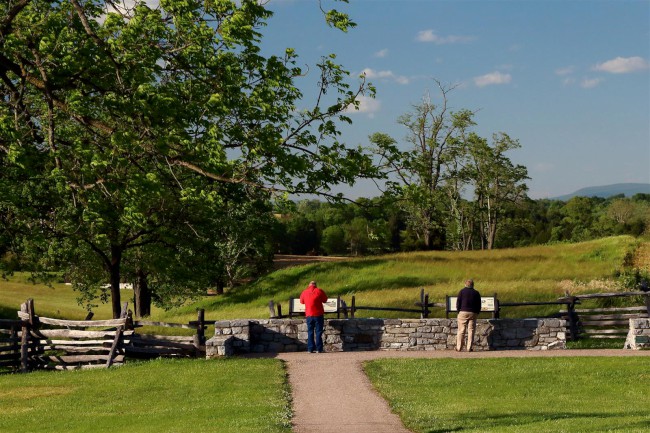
column 519, row 274
column 537, row 395
column 217, row 396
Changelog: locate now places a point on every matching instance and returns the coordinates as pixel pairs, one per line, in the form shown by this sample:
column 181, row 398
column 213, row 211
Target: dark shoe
column 321, row 351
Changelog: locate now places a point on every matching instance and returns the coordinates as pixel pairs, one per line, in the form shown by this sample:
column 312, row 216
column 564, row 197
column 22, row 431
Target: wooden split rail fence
column 33, row 342
column 608, row 322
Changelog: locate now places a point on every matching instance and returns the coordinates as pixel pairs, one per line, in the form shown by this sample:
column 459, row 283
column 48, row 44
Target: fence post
column 425, row 306
column 495, row 313
column 573, row 322
column 27, row 307
column 352, row 307
column 279, row 311
column 647, row 303
column 338, row 307
column 272, row 309
column 199, row 338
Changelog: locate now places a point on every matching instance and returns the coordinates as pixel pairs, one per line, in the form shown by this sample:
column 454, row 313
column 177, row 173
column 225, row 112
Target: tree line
column 380, row 225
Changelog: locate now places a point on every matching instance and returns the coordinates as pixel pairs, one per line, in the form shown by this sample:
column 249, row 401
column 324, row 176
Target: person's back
column 313, row 298
column 468, row 305
column 469, row 299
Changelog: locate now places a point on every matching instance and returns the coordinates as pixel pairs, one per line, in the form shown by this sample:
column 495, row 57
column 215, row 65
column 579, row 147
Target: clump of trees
column 330, row 228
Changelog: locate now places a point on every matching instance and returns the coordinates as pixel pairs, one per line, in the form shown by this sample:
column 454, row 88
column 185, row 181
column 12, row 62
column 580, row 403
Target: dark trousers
column 315, row 325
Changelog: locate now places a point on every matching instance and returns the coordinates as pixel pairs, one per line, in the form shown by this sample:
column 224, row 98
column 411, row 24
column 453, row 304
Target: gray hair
column 469, row 283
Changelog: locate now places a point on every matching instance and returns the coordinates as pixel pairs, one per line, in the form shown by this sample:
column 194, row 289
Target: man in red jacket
column 313, row 298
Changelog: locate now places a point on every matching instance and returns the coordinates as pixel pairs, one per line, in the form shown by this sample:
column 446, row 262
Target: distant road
column 284, row 260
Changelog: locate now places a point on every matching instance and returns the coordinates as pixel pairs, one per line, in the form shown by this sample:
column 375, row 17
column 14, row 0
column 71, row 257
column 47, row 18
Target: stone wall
column 638, row 337
column 290, row 335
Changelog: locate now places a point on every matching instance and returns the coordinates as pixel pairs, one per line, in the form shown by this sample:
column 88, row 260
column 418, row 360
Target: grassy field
column 521, row 274
column 540, row 395
column 218, row 396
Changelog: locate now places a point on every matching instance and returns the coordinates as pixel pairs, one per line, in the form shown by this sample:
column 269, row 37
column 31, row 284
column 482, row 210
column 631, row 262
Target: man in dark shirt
column 468, row 305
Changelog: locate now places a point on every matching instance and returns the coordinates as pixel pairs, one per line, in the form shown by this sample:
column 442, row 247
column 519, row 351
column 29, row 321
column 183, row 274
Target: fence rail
column 35, row 342
column 609, row 322
column 10, row 339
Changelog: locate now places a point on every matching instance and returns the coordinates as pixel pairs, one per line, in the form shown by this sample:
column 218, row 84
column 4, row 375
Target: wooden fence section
column 610, row 322
column 71, row 344
column 35, row 342
column 10, row 338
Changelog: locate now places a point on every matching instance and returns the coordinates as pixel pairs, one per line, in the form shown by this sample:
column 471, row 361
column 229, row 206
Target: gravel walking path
column 331, row 393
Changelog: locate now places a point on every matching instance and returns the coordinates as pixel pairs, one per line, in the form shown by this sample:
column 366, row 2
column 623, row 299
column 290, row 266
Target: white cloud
column 589, row 83
column 382, row 53
column 623, row 65
column 384, row 75
column 568, row 81
column 492, row 78
column 367, row 105
column 568, row 70
column 431, row 36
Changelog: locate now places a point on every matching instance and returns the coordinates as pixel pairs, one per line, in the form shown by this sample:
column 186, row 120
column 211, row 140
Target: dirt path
column 331, row 393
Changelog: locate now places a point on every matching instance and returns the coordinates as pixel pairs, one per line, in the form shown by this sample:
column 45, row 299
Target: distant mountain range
column 605, row 191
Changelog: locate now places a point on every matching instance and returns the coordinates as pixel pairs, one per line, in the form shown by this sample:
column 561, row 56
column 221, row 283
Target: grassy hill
column 521, row 274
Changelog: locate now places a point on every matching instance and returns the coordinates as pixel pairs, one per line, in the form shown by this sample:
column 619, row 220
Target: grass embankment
column 514, row 395
column 541, row 273
column 160, row 396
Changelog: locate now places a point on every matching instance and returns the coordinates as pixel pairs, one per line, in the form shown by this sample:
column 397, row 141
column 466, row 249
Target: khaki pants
column 466, row 324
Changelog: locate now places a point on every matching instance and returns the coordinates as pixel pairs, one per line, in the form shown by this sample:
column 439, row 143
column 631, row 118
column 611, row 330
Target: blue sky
column 569, row 79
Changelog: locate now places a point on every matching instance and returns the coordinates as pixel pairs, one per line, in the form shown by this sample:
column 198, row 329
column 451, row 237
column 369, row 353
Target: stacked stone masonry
column 290, row 335
column 638, row 337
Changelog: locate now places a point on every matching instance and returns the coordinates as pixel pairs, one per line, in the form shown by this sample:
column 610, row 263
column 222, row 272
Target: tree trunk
column 116, row 261
column 220, row 286
column 141, row 295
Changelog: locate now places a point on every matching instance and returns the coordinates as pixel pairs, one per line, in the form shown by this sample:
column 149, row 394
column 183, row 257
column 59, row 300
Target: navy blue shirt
column 469, row 299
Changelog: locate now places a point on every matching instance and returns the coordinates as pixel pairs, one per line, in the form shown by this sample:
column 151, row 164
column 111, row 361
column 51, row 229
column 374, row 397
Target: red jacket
column 313, row 298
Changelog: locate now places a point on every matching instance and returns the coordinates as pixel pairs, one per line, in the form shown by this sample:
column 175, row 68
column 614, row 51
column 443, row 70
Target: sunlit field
column 541, row 273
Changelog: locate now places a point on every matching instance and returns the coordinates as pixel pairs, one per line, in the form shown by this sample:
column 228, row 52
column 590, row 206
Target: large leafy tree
column 434, row 143
column 497, row 182
column 117, row 118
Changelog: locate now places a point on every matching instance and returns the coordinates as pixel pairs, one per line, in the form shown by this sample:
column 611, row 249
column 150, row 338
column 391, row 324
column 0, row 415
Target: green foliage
column 127, row 398
column 512, row 395
column 125, row 131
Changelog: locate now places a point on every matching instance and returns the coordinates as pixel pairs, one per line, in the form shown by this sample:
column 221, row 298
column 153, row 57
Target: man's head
column 312, row 283
column 469, row 283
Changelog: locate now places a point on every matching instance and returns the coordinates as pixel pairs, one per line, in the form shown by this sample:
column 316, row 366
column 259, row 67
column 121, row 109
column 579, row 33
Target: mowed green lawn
column 165, row 396
column 532, row 395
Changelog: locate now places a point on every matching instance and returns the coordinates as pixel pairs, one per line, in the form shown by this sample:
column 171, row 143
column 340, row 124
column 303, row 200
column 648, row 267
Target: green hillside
column 522, row 274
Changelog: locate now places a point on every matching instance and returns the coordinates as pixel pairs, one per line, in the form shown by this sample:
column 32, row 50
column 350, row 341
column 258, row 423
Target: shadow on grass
column 8, row 313
column 525, row 420
column 283, row 281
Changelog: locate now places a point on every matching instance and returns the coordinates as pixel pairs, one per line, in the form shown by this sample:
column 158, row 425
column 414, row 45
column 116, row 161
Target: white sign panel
column 329, row 306
column 487, row 304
